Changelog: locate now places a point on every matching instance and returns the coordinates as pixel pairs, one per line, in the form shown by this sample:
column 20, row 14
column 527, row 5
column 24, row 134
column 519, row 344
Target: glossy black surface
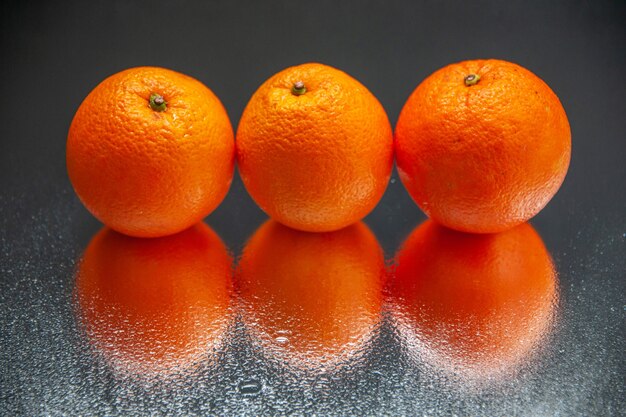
column 53, row 55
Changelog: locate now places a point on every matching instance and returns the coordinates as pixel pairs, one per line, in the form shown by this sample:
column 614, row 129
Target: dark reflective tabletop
column 241, row 316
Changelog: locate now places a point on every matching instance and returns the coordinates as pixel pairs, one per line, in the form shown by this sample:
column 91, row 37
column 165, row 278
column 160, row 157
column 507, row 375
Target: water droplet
column 393, row 181
column 282, row 340
column 251, row 386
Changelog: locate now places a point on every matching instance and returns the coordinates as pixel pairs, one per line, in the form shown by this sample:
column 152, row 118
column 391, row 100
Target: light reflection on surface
column 473, row 306
column 154, row 307
column 311, row 300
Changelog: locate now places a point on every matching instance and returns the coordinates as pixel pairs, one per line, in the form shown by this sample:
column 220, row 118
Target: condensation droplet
column 251, row 386
column 282, row 340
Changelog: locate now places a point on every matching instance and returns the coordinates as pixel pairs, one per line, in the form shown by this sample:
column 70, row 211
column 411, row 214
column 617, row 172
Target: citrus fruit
column 311, row 300
column 150, row 152
column 474, row 304
column 482, row 145
column 152, row 307
column 314, row 148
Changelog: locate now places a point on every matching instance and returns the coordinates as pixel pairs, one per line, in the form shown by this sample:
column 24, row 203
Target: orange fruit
column 314, row 148
column 476, row 304
column 311, row 300
column 150, row 152
column 482, row 146
column 152, row 307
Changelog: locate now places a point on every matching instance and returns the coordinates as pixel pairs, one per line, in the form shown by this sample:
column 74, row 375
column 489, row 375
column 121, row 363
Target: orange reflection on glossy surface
column 311, row 300
column 154, row 307
column 475, row 305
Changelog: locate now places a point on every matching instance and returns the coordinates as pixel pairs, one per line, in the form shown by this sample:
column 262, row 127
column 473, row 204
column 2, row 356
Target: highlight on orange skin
column 154, row 307
column 474, row 305
column 311, row 300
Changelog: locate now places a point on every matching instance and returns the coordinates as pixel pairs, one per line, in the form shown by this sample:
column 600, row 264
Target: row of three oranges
column 481, row 146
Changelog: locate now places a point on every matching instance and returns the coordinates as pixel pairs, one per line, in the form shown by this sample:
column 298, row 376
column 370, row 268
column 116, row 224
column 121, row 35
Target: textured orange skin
column 319, row 161
column 147, row 173
column 486, row 157
column 154, row 305
column 480, row 300
column 323, row 291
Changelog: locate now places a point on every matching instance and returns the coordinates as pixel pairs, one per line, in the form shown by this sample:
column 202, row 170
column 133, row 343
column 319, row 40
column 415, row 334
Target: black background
column 54, row 53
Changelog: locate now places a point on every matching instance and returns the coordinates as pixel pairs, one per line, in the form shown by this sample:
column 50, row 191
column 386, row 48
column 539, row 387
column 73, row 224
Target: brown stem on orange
column 298, row 88
column 157, row 102
column 471, row 79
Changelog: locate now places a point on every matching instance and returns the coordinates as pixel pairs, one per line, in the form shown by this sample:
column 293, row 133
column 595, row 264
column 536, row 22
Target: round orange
column 150, row 152
column 311, row 300
column 154, row 306
column 314, row 148
column 482, row 146
column 476, row 303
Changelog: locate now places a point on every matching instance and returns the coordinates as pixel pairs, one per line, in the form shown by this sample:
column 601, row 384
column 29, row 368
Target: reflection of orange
column 476, row 302
column 154, row 306
column 311, row 299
